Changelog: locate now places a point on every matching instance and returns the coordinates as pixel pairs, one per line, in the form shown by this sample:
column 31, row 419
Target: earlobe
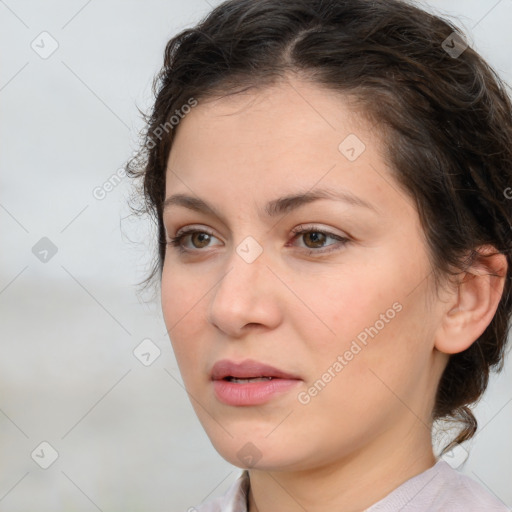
column 473, row 302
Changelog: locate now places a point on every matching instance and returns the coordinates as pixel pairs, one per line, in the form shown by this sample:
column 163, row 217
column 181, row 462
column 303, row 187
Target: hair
column 446, row 123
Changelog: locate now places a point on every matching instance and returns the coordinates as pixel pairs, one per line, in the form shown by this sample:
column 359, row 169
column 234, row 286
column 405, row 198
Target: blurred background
column 93, row 415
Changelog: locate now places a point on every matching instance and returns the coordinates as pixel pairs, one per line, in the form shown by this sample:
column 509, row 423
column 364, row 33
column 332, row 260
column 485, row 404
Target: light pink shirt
column 440, row 488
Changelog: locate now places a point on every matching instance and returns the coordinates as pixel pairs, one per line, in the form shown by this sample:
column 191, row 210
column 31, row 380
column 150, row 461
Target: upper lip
column 247, row 369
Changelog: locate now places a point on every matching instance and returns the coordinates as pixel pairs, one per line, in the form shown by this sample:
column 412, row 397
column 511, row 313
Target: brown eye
column 315, row 238
column 200, row 239
column 191, row 240
column 316, row 241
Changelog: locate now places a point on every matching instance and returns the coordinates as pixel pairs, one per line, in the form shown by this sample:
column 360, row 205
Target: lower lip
column 251, row 393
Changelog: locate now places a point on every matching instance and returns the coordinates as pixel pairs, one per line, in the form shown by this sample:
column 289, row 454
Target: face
column 329, row 288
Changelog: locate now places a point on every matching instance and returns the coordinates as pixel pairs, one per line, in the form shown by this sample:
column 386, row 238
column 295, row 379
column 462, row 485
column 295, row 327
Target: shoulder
column 233, row 500
column 437, row 489
column 467, row 494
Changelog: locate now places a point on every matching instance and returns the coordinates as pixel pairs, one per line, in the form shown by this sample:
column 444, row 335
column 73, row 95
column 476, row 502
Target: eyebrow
column 275, row 207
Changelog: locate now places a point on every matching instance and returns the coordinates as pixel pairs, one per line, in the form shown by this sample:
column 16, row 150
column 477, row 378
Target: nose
column 246, row 297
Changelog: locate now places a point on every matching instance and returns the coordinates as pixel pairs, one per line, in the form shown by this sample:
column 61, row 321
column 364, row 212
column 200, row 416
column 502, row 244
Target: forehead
column 289, row 109
column 293, row 133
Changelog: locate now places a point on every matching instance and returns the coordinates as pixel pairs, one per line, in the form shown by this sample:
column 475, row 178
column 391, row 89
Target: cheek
column 182, row 307
column 355, row 380
column 367, row 314
column 341, row 304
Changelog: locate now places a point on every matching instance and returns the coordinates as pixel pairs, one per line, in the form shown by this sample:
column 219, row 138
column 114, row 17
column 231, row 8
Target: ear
column 473, row 302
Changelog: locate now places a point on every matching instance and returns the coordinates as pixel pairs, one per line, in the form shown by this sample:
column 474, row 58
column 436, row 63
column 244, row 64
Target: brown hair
column 447, row 120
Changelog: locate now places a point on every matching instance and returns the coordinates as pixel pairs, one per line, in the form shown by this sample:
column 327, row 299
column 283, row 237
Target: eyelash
column 299, row 230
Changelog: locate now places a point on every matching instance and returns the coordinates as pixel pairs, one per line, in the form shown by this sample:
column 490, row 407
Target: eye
column 200, row 238
column 315, row 239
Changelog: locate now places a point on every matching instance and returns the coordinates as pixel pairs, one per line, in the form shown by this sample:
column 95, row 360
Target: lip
column 250, row 393
column 247, row 369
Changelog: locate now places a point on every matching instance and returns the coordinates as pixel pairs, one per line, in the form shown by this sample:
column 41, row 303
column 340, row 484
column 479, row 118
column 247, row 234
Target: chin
column 258, row 452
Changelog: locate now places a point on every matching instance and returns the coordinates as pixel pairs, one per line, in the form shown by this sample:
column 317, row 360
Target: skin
column 368, row 430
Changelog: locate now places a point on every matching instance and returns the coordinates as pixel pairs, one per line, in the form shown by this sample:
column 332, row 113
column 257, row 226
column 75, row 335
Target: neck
column 352, row 483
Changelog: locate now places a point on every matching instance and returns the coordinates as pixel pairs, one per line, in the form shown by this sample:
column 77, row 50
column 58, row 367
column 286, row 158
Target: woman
column 329, row 181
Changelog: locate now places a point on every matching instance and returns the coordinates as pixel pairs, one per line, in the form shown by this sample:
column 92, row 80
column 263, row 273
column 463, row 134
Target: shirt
column 439, row 488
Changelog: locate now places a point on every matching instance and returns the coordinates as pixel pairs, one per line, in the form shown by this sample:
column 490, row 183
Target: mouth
column 246, row 381
column 250, row 383
column 248, row 371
